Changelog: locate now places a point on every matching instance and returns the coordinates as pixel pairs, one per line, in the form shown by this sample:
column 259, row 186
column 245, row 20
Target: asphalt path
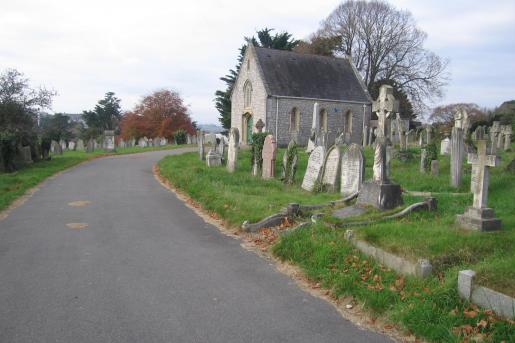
column 128, row 262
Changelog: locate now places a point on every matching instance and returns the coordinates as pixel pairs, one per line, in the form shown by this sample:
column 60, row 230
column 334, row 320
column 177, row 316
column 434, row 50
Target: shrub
column 180, row 136
column 258, row 140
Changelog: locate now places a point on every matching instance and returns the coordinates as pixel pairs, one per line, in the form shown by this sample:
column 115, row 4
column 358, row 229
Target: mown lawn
column 14, row 185
column 428, row 308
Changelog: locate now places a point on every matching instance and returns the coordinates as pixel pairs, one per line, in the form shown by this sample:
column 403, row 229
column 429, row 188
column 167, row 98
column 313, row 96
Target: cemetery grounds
column 14, row 185
column 427, row 308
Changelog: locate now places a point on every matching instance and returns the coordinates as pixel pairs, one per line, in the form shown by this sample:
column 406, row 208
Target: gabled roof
column 292, row 74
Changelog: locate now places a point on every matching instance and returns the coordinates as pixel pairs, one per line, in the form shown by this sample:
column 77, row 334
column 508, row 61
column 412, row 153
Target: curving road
column 145, row 269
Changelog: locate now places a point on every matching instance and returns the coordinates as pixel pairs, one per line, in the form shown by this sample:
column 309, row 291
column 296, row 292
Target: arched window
column 294, row 120
column 247, row 93
column 348, row 122
column 323, row 120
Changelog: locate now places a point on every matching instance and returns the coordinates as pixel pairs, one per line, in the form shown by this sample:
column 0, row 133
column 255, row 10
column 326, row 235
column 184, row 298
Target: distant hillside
column 212, row 128
column 506, row 112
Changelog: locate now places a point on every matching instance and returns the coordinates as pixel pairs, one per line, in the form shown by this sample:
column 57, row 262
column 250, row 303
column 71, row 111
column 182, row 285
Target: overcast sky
column 83, row 49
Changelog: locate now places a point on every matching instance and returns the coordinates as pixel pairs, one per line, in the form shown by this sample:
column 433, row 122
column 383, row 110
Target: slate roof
column 288, row 73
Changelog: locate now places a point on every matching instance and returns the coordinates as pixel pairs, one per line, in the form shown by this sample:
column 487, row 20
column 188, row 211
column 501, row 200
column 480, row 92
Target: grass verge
column 427, row 308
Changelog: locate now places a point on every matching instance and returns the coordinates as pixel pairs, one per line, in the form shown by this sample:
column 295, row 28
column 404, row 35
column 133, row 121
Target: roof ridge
column 340, row 58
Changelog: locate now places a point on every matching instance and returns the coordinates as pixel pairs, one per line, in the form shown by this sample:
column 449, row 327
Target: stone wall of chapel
column 335, row 119
column 258, row 104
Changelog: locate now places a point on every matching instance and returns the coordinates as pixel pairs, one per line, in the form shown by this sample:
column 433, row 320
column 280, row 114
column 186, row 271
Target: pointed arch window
column 294, row 120
column 348, row 122
column 247, row 94
column 323, row 120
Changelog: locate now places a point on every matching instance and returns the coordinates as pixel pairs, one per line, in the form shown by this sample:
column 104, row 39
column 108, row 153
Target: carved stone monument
column 290, row 159
column 234, row 147
column 213, row 158
column 507, row 133
column 457, row 150
column 479, row 216
column 445, row 146
column 201, row 153
column 109, row 140
column 380, row 192
column 352, row 170
column 331, row 169
column 269, row 154
column 314, row 168
column 313, row 137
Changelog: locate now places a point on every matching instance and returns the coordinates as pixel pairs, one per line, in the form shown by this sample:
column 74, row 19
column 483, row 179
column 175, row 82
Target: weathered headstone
column 163, row 141
column 269, row 155
column 26, row 155
column 380, row 192
column 479, row 216
column 63, row 144
column 495, row 131
column 80, row 145
column 457, row 155
column 201, row 146
column 352, row 170
column 435, row 168
column 290, row 159
column 234, row 147
column 58, row 149
column 156, row 141
column 71, row 145
column 401, row 132
column 331, row 169
column 142, row 143
column 109, row 140
column 445, row 146
column 91, row 145
column 314, row 168
column 213, row 158
column 424, row 163
column 313, row 137
column 508, row 131
column 429, row 135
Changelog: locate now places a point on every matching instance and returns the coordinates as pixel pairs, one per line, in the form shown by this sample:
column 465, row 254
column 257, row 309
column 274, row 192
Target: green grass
column 14, row 185
column 239, row 196
column 428, row 308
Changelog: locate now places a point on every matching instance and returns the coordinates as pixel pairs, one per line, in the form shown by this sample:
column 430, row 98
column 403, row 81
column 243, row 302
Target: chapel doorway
column 248, row 123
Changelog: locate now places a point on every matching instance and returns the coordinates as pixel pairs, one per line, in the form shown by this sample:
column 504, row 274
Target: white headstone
column 352, row 170
column 314, row 129
column 314, row 168
column 331, row 169
column 445, row 146
column 232, row 152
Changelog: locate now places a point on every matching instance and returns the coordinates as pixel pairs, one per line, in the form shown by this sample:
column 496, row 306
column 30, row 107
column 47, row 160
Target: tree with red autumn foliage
column 159, row 114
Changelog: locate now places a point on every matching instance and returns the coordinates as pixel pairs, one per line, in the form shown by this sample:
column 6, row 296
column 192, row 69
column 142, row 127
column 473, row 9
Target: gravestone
column 401, row 131
column 508, row 131
column 495, row 131
column 380, row 192
column 156, row 141
column 424, row 163
column 457, row 155
column 352, row 170
column 259, row 126
column 500, row 139
column 109, row 140
column 58, row 149
column 201, row 153
column 188, row 139
column 445, row 146
column 314, row 168
column 269, row 154
column 80, row 145
column 313, row 137
column 232, row 152
column 290, row 159
column 331, row 169
column 91, row 146
column 63, row 145
column 142, row 143
column 71, row 146
column 220, row 147
column 163, row 141
column 133, row 142
column 122, row 143
column 429, row 135
column 365, row 136
column 26, row 155
column 435, row 168
column 479, row 216
column 213, row 158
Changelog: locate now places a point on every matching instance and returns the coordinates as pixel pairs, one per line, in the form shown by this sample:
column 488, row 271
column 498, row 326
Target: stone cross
column 384, row 106
column 479, row 216
column 401, row 131
column 480, row 173
column 495, row 131
column 260, row 125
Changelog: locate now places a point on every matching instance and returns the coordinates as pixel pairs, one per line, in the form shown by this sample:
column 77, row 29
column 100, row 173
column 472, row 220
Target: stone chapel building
column 281, row 87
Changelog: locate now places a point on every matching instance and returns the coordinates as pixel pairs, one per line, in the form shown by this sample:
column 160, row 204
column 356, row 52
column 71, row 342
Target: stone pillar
column 457, row 155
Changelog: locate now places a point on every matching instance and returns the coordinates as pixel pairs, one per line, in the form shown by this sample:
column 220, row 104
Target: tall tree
column 106, row 115
column 385, row 44
column 265, row 39
column 56, row 127
column 444, row 114
column 160, row 114
column 405, row 106
column 19, row 106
